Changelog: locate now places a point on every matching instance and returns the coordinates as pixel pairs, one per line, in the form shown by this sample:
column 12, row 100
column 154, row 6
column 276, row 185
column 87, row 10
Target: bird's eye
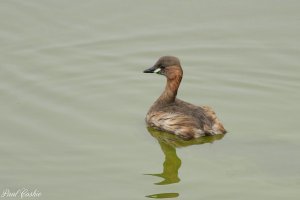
column 161, row 66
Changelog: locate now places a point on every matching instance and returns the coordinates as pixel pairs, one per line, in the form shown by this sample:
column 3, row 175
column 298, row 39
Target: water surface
column 73, row 98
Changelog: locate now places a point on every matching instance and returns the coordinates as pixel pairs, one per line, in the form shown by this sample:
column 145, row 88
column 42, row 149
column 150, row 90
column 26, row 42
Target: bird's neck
column 170, row 92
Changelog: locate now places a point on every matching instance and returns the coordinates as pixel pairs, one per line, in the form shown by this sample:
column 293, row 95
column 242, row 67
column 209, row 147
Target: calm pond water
column 73, row 98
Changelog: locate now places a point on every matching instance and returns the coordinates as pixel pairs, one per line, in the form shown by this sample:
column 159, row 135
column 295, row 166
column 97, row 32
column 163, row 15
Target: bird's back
column 184, row 119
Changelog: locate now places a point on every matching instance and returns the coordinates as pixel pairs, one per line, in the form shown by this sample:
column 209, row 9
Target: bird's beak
column 152, row 70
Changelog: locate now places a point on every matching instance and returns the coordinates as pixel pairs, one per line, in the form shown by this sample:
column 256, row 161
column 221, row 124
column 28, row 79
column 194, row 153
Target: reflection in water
column 168, row 143
column 163, row 195
column 171, row 165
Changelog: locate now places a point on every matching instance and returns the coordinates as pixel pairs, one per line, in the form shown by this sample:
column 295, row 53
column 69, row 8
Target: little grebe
column 174, row 115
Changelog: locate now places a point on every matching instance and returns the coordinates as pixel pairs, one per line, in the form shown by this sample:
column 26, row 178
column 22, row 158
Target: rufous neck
column 170, row 92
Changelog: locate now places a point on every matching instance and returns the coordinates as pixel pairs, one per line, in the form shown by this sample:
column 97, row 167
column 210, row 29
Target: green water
column 73, row 98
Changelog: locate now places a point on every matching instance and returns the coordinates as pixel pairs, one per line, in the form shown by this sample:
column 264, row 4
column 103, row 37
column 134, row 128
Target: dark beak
column 150, row 70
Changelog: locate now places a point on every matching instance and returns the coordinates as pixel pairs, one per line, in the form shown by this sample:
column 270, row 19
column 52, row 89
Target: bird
column 175, row 116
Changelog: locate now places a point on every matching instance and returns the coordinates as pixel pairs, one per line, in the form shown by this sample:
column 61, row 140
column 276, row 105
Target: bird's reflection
column 168, row 143
column 171, row 165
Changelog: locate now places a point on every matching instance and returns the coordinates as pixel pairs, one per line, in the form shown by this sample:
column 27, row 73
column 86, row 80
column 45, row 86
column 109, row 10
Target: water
column 74, row 98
